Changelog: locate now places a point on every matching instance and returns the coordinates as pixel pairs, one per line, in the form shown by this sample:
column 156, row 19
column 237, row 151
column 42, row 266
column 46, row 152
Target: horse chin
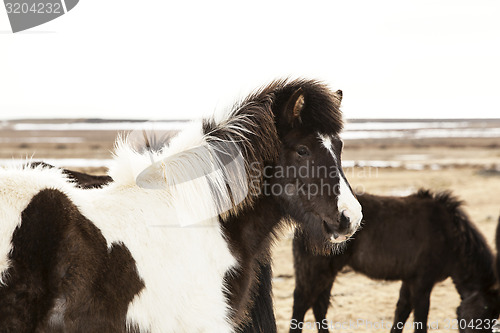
column 340, row 239
column 318, row 240
column 331, row 248
column 321, row 244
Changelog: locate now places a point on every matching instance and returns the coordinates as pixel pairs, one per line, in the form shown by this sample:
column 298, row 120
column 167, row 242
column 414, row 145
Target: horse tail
column 475, row 261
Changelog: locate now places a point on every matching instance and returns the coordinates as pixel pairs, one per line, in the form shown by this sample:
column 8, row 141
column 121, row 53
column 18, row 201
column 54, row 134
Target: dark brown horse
column 420, row 239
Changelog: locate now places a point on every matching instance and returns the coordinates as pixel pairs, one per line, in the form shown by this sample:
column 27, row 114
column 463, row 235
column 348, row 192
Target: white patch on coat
column 183, row 268
column 346, row 201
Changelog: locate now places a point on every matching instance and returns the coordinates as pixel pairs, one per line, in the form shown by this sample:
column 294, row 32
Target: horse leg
column 320, row 306
column 313, row 277
column 316, row 295
column 262, row 312
column 420, row 297
column 403, row 308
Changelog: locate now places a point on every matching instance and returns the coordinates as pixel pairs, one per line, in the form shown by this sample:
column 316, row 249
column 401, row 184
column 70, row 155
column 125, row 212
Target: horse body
column 420, row 239
column 164, row 256
column 404, row 240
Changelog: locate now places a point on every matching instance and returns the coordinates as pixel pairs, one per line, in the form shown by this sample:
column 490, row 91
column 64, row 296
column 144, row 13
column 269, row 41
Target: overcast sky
column 182, row 59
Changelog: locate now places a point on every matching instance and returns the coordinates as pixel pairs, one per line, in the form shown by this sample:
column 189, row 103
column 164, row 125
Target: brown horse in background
column 420, row 239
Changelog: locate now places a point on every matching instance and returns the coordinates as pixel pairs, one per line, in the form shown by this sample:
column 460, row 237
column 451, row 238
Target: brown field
column 468, row 167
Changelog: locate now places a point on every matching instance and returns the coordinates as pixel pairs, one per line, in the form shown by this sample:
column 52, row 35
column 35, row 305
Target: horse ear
column 295, row 105
column 339, row 95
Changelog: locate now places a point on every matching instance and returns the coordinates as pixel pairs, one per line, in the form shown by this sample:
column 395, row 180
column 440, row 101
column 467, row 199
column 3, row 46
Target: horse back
column 400, row 236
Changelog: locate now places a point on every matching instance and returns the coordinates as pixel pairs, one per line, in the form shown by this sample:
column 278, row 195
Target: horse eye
column 302, row 151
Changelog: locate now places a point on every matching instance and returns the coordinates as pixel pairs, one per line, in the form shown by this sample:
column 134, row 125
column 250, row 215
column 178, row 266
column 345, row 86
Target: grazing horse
column 178, row 241
column 420, row 239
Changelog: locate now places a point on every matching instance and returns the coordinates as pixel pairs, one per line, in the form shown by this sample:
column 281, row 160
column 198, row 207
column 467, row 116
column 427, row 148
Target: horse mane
column 476, row 256
column 255, row 123
column 447, row 198
column 252, row 128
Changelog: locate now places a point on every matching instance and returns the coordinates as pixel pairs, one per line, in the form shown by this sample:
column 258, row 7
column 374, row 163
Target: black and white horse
column 420, row 239
column 180, row 240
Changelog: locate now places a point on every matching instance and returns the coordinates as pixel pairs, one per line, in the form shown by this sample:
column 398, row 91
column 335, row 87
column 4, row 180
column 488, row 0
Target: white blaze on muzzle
column 346, row 201
column 348, row 204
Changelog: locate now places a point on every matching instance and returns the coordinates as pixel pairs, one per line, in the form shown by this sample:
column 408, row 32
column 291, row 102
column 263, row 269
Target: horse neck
column 249, row 236
column 250, row 232
column 469, row 278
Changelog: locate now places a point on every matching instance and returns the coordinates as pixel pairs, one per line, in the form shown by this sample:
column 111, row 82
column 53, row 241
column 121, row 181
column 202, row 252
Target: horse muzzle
column 342, row 229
